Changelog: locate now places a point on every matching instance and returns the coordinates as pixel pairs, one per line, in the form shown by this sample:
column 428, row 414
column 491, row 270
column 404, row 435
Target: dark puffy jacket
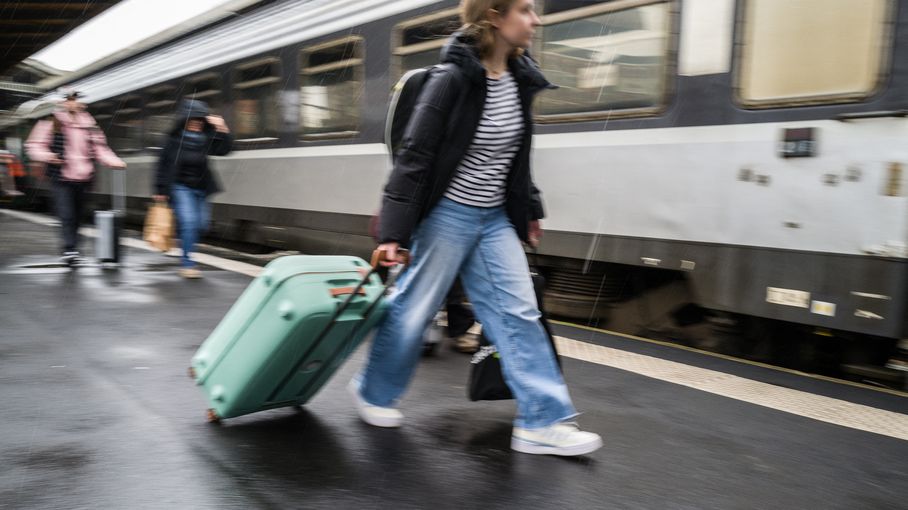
column 182, row 165
column 439, row 133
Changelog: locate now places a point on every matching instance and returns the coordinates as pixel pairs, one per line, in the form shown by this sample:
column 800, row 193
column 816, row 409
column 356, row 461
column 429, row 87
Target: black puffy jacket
column 439, row 133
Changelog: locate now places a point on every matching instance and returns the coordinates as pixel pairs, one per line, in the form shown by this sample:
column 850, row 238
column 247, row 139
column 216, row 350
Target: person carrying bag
column 462, row 198
column 184, row 176
column 69, row 143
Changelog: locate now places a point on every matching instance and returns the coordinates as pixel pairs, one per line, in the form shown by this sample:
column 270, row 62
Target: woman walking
column 461, row 198
column 68, row 143
column 184, row 176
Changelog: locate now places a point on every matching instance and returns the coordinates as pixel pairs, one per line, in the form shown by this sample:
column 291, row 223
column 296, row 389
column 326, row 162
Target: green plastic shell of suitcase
column 287, row 334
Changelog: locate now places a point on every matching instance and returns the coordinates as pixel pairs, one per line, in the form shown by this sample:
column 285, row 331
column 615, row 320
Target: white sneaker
column 374, row 415
column 70, row 258
column 190, row 273
column 559, row 439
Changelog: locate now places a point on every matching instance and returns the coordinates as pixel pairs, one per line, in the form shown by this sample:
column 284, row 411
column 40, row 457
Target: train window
column 103, row 114
column 554, row 6
column 418, row 42
column 125, row 132
column 331, row 86
column 159, row 115
column 609, row 59
column 206, row 87
column 811, row 51
column 256, row 85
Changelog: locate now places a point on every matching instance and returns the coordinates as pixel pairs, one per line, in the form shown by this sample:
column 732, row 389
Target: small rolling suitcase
column 287, row 333
column 107, row 244
column 109, row 224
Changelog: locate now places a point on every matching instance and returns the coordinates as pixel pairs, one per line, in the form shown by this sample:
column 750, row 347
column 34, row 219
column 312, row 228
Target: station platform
column 98, row 412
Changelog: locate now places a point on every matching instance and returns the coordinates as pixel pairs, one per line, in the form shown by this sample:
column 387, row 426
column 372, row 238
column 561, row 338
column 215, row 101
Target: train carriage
column 753, row 150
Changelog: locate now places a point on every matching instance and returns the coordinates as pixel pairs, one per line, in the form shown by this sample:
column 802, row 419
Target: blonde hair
column 474, row 14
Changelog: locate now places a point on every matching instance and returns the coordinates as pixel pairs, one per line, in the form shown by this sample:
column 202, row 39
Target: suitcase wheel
column 213, row 417
column 191, row 372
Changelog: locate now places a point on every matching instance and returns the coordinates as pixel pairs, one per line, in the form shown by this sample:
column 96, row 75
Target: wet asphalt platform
column 97, row 412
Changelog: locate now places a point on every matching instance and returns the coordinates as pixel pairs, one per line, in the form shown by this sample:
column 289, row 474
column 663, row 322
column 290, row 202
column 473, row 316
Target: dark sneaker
column 70, row 258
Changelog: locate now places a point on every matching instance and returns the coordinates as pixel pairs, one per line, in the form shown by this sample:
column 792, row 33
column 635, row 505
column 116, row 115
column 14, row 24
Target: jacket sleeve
column 537, row 208
column 221, row 144
column 102, row 152
column 164, row 173
column 407, row 188
column 38, row 144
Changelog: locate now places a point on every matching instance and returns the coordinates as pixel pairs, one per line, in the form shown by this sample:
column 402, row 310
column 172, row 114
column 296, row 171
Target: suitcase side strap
column 342, row 291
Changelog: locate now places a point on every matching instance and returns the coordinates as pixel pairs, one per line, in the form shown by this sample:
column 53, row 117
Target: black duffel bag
column 486, row 381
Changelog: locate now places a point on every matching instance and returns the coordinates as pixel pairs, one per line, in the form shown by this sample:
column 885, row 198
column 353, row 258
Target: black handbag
column 58, row 147
column 486, row 381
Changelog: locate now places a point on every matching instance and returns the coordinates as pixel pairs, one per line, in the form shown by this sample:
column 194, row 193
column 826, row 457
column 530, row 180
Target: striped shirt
column 482, row 174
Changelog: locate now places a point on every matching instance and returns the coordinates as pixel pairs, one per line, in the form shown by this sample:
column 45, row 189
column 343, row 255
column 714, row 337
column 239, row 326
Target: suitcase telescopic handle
column 118, row 191
column 379, row 256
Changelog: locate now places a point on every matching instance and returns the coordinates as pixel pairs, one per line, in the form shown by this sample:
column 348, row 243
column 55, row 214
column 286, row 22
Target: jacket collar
column 189, row 108
column 80, row 120
column 461, row 51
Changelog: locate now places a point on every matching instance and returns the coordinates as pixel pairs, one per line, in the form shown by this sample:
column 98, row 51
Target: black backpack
column 58, row 147
column 403, row 101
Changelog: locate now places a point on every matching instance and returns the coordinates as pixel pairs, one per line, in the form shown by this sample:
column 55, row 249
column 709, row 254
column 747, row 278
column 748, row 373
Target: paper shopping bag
column 159, row 227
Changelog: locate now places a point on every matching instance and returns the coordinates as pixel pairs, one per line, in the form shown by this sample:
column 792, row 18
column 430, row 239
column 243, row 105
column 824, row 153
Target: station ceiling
column 27, row 27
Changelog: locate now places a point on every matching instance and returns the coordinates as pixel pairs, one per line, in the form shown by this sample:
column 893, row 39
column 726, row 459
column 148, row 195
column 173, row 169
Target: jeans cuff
column 563, row 419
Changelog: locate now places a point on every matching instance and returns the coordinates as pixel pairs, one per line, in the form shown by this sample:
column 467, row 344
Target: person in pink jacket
column 69, row 143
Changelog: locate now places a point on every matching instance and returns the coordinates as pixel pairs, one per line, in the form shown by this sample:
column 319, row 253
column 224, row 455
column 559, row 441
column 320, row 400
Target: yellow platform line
column 796, row 402
column 888, row 391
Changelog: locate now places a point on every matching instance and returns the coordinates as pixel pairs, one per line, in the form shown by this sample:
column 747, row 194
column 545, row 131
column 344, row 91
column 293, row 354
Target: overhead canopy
column 27, row 27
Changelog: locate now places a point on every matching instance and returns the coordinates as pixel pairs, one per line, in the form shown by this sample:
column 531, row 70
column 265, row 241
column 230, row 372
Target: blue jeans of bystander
column 192, row 211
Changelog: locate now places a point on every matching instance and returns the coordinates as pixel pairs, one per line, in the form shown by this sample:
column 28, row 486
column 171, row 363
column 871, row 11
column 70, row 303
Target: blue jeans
column 191, row 208
column 480, row 245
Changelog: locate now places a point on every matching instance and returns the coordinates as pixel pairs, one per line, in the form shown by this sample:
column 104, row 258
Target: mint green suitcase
column 287, row 333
